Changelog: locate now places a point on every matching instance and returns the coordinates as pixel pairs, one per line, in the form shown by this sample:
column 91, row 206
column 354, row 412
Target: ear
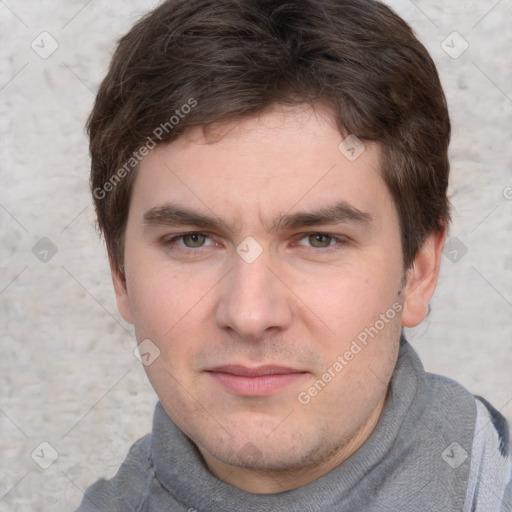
column 123, row 300
column 422, row 279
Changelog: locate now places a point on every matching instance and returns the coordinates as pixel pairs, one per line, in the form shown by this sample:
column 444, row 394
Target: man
column 271, row 179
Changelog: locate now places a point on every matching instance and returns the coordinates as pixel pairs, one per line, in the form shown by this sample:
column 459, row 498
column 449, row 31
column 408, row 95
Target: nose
column 254, row 300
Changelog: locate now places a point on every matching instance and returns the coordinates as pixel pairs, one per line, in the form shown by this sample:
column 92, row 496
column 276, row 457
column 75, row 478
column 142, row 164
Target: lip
column 255, row 381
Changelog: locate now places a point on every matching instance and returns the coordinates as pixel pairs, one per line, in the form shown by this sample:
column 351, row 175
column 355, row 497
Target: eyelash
column 171, row 242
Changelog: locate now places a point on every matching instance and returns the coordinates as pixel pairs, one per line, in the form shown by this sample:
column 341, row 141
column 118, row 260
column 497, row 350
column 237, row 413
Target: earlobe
column 123, row 300
column 422, row 279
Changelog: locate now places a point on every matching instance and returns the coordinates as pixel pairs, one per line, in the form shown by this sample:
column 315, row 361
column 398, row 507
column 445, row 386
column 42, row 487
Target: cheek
column 348, row 302
column 172, row 309
column 362, row 312
column 162, row 298
column 152, row 307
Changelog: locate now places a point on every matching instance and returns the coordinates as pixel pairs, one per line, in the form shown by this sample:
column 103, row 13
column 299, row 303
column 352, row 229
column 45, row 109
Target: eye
column 192, row 240
column 188, row 241
column 321, row 240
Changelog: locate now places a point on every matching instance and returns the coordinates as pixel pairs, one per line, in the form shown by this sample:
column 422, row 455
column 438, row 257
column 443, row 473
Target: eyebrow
column 340, row 212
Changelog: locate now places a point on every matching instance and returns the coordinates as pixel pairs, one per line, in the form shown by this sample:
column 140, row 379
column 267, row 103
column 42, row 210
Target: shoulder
column 493, row 426
column 475, row 431
column 448, row 407
column 126, row 489
column 490, row 430
column 490, row 480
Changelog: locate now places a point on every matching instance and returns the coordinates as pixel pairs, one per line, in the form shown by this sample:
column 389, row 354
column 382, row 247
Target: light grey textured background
column 68, row 376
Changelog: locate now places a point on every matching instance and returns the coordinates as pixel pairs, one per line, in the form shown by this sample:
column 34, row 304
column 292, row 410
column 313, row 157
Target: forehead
column 285, row 159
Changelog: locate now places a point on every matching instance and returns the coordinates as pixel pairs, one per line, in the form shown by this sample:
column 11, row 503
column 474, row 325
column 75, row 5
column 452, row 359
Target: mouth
column 255, row 381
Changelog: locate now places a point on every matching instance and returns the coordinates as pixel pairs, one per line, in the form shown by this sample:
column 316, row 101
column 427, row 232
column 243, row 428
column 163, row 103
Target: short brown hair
column 230, row 59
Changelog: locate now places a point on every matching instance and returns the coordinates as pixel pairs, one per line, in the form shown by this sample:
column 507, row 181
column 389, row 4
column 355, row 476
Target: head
column 249, row 245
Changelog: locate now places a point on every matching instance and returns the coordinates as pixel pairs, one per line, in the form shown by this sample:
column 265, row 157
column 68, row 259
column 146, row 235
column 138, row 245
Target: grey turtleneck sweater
column 435, row 448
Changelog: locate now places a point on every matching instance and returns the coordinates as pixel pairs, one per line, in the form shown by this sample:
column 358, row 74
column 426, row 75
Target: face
column 267, row 268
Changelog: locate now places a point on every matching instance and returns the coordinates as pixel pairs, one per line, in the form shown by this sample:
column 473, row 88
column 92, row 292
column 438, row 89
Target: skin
column 299, row 304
